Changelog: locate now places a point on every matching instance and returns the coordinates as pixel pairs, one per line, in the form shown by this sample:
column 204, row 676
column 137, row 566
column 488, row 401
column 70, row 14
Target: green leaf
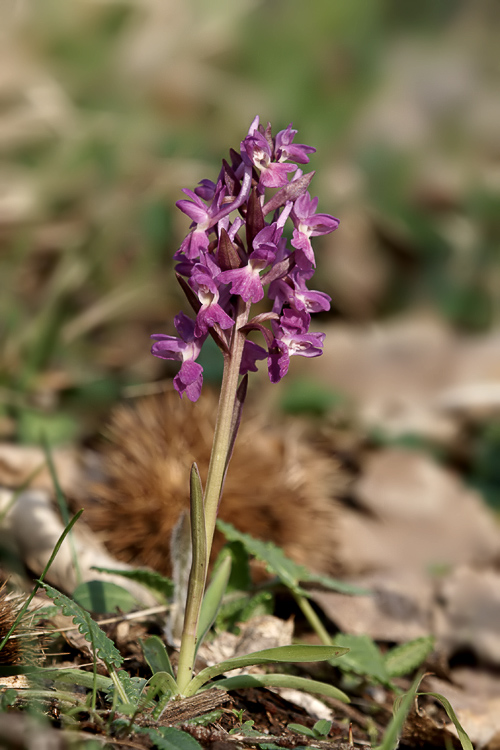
column 289, row 572
column 299, row 653
column 322, row 728
column 403, row 659
column 102, row 597
column 156, row 655
column 205, row 719
column 462, row 734
column 213, row 599
column 132, row 688
column 240, row 578
column 335, row 585
column 75, row 677
column 364, row 657
column 149, row 578
column 281, row 680
column 246, row 729
column 243, row 608
column 162, row 682
column 391, row 735
column 169, row 738
column 104, row 647
column 301, row 729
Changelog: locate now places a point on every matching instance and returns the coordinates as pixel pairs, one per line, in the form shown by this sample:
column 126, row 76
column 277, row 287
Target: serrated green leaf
column 403, row 659
column 206, row 719
column 169, row 738
column 156, row 655
column 289, row 572
column 149, row 578
column 104, row 646
column 243, row 608
column 462, row 734
column 298, row 654
column 281, row 680
column 103, row 597
column 241, row 577
column 132, row 687
column 364, row 657
column 335, row 585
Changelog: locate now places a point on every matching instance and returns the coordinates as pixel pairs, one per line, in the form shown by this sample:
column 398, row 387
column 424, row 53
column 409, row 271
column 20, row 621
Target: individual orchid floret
column 286, row 149
column 258, row 152
column 203, row 283
column 245, row 281
column 292, row 290
column 197, row 241
column 308, row 224
column 291, row 338
column 185, row 349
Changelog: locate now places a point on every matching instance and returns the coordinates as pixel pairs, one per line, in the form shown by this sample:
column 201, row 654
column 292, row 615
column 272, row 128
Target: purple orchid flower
column 196, row 242
column 286, row 149
column 292, row 290
column 246, row 281
column 308, row 224
column 258, row 152
column 237, row 248
column 203, row 282
column 291, row 338
column 185, row 349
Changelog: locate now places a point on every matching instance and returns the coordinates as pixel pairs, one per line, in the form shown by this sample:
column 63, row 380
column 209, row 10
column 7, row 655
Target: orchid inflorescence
column 232, row 251
column 224, row 264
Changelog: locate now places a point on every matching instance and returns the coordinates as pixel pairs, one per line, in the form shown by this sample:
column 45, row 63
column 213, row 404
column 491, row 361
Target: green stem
column 223, row 427
column 313, row 619
column 215, row 478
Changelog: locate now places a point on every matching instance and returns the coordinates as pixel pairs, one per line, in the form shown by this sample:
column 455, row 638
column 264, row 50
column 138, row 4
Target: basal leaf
column 282, row 680
column 299, row 653
column 403, row 659
column 156, row 655
column 162, row 682
column 104, row 646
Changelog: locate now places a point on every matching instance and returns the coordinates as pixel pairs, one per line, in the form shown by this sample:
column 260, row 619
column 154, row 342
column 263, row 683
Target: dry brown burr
column 278, row 488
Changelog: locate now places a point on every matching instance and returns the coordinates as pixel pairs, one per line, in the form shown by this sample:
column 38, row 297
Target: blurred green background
column 109, row 107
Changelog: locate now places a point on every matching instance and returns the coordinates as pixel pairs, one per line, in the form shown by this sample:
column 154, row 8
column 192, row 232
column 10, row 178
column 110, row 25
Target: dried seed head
column 277, row 487
column 22, row 647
